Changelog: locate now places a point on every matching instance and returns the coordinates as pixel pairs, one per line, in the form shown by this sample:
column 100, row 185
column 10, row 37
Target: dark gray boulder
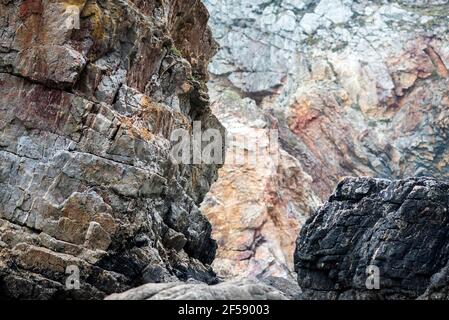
column 400, row 228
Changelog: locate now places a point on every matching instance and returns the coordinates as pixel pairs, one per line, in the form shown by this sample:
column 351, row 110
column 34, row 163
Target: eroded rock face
column 258, row 203
column 90, row 92
column 399, row 227
column 356, row 88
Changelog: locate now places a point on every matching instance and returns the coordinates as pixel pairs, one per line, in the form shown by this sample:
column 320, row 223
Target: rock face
column 258, row 204
column 232, row 290
column 90, row 92
column 399, row 227
column 355, row 88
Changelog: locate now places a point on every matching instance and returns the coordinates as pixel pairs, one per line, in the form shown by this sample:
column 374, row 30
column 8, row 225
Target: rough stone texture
column 231, row 290
column 356, row 88
column 86, row 174
column 400, row 226
column 258, row 204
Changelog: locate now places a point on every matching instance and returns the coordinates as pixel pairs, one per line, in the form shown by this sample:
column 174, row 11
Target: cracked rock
column 398, row 227
column 87, row 178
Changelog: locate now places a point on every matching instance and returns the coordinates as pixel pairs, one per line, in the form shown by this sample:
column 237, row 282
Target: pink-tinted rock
column 90, row 93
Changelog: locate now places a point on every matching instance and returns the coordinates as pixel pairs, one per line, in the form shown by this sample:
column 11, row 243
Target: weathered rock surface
column 356, row 88
column 90, row 92
column 401, row 227
column 231, row 290
column 259, row 202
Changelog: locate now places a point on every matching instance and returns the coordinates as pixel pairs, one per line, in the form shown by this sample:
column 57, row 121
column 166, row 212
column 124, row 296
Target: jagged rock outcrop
column 400, row 227
column 356, row 88
column 90, row 92
column 231, row 290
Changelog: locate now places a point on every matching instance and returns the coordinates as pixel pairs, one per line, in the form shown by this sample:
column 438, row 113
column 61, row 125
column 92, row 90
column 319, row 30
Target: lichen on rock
column 355, row 88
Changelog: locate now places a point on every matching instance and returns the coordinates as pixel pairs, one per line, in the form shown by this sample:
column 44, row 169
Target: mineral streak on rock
column 90, row 92
column 400, row 227
column 356, row 88
column 256, row 208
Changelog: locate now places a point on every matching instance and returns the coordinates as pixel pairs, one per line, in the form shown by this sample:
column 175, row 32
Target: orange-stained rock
column 90, row 93
column 256, row 208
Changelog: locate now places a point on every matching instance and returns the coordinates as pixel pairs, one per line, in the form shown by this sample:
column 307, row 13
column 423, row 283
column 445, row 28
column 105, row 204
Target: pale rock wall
column 377, row 239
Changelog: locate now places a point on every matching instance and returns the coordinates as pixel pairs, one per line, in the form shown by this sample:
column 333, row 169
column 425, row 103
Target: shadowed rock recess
column 400, row 227
column 86, row 176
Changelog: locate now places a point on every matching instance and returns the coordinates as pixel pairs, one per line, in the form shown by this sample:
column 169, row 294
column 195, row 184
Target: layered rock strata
column 356, row 88
column 90, row 93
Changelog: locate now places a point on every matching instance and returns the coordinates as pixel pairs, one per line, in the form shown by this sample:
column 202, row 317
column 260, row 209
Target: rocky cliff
column 398, row 230
column 90, row 92
column 355, row 88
